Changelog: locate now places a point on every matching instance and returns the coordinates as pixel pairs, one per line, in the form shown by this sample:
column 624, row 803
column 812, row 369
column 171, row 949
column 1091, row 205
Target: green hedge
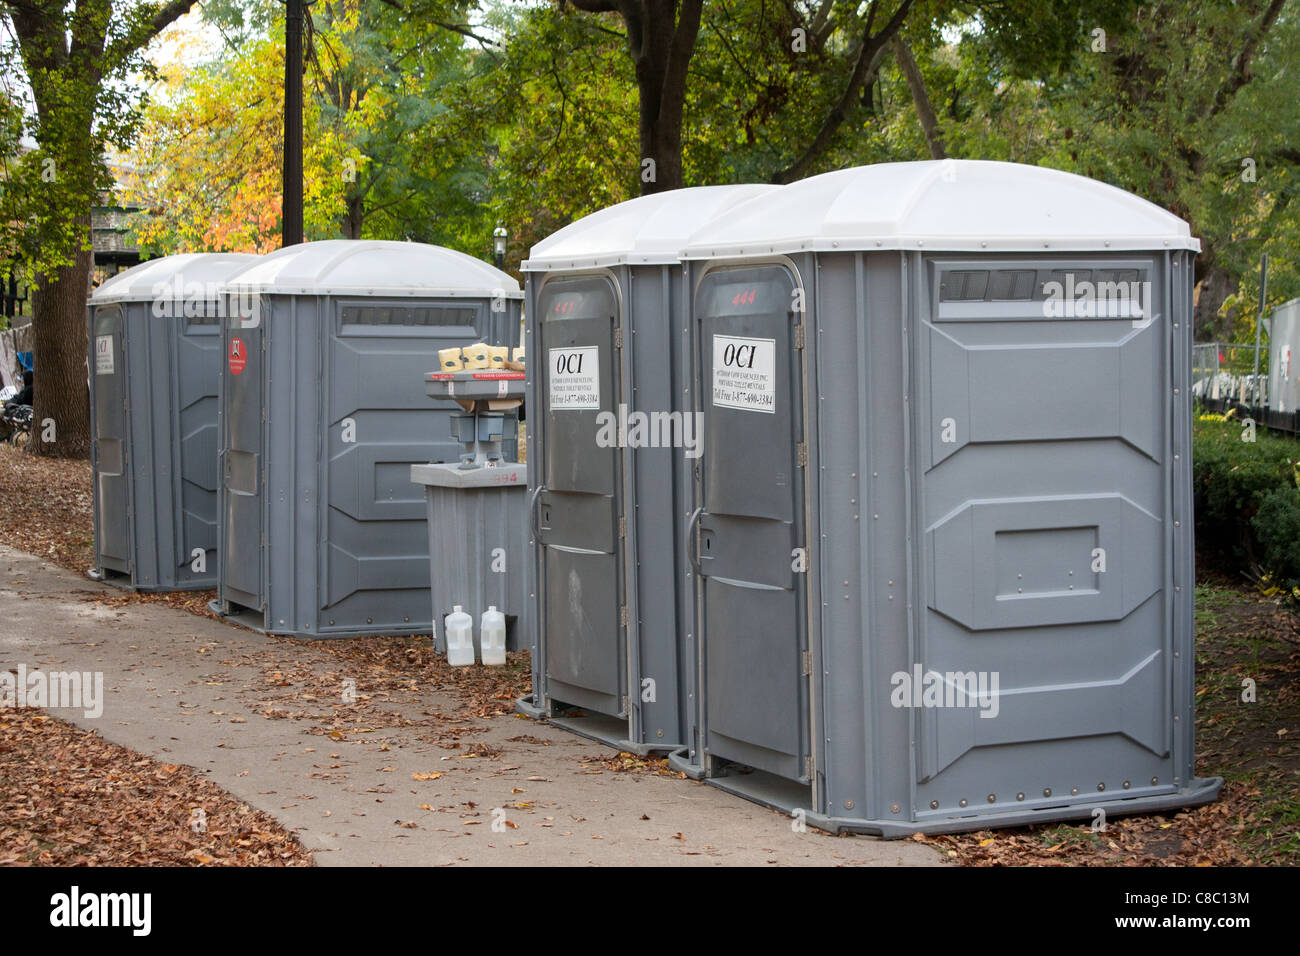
column 1232, row 481
column 1277, row 531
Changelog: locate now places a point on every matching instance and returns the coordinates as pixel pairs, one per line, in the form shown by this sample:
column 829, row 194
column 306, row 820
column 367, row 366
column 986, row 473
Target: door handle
column 532, row 511
column 692, row 541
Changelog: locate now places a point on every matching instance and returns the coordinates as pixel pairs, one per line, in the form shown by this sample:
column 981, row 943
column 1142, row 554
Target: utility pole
column 1259, row 319
column 291, row 204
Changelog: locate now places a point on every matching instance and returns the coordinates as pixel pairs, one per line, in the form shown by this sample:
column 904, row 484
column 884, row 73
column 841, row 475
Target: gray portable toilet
column 324, row 411
column 605, row 332
column 155, row 363
column 944, row 526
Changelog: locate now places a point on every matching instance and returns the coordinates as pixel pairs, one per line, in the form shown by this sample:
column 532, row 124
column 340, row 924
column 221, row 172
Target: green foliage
column 70, row 67
column 1277, row 530
column 383, row 156
column 1231, row 478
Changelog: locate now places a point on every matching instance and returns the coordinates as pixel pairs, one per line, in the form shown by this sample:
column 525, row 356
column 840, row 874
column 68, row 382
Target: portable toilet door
column 750, row 535
column 154, row 337
column 242, row 503
column 324, row 410
column 993, row 624
column 609, row 622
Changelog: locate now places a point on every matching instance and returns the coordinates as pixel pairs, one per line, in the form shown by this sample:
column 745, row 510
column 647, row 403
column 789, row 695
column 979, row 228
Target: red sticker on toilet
column 238, row 358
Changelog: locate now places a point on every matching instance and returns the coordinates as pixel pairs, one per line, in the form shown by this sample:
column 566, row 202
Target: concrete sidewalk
column 178, row 687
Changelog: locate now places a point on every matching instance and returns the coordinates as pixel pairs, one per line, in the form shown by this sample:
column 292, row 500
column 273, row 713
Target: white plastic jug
column 460, row 637
column 492, row 634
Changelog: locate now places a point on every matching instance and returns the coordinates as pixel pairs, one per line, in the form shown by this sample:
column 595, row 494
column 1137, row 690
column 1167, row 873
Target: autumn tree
column 383, row 156
column 74, row 60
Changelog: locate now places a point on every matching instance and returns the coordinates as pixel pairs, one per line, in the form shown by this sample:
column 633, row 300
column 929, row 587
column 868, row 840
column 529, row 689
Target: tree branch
column 1241, row 74
column 921, row 98
column 593, row 6
column 866, row 65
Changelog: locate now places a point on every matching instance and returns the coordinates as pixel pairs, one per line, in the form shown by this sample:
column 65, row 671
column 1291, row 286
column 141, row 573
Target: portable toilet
column 610, row 453
column 324, row 411
column 154, row 353
column 944, row 526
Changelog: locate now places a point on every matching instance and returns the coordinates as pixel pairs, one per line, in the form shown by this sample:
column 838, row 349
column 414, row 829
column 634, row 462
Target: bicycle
column 19, row 420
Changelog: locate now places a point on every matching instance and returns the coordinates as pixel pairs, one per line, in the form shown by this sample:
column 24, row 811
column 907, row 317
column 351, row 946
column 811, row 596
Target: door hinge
column 626, row 706
column 799, row 336
column 623, row 616
column 809, row 767
column 806, row 657
column 801, row 454
column 622, row 526
column 263, row 539
column 618, row 337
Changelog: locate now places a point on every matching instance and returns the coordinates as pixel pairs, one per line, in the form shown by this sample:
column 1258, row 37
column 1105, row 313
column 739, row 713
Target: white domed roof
column 373, row 267
column 206, row 271
column 648, row 230
column 946, row 205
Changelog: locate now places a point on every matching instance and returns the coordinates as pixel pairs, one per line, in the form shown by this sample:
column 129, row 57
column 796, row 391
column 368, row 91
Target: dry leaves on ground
column 70, row 798
column 46, row 507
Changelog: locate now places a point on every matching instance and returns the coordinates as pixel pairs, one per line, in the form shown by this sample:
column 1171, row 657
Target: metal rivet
column 1101, row 787
column 1047, row 791
column 934, row 804
column 848, row 805
column 1020, row 796
column 993, row 798
column 961, row 802
column 1074, row 791
column 369, row 621
column 1154, row 781
column 1126, row 784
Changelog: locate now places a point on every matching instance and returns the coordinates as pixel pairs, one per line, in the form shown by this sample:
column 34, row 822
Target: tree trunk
column 662, row 42
column 920, row 97
column 354, row 217
column 1207, row 325
column 61, row 398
